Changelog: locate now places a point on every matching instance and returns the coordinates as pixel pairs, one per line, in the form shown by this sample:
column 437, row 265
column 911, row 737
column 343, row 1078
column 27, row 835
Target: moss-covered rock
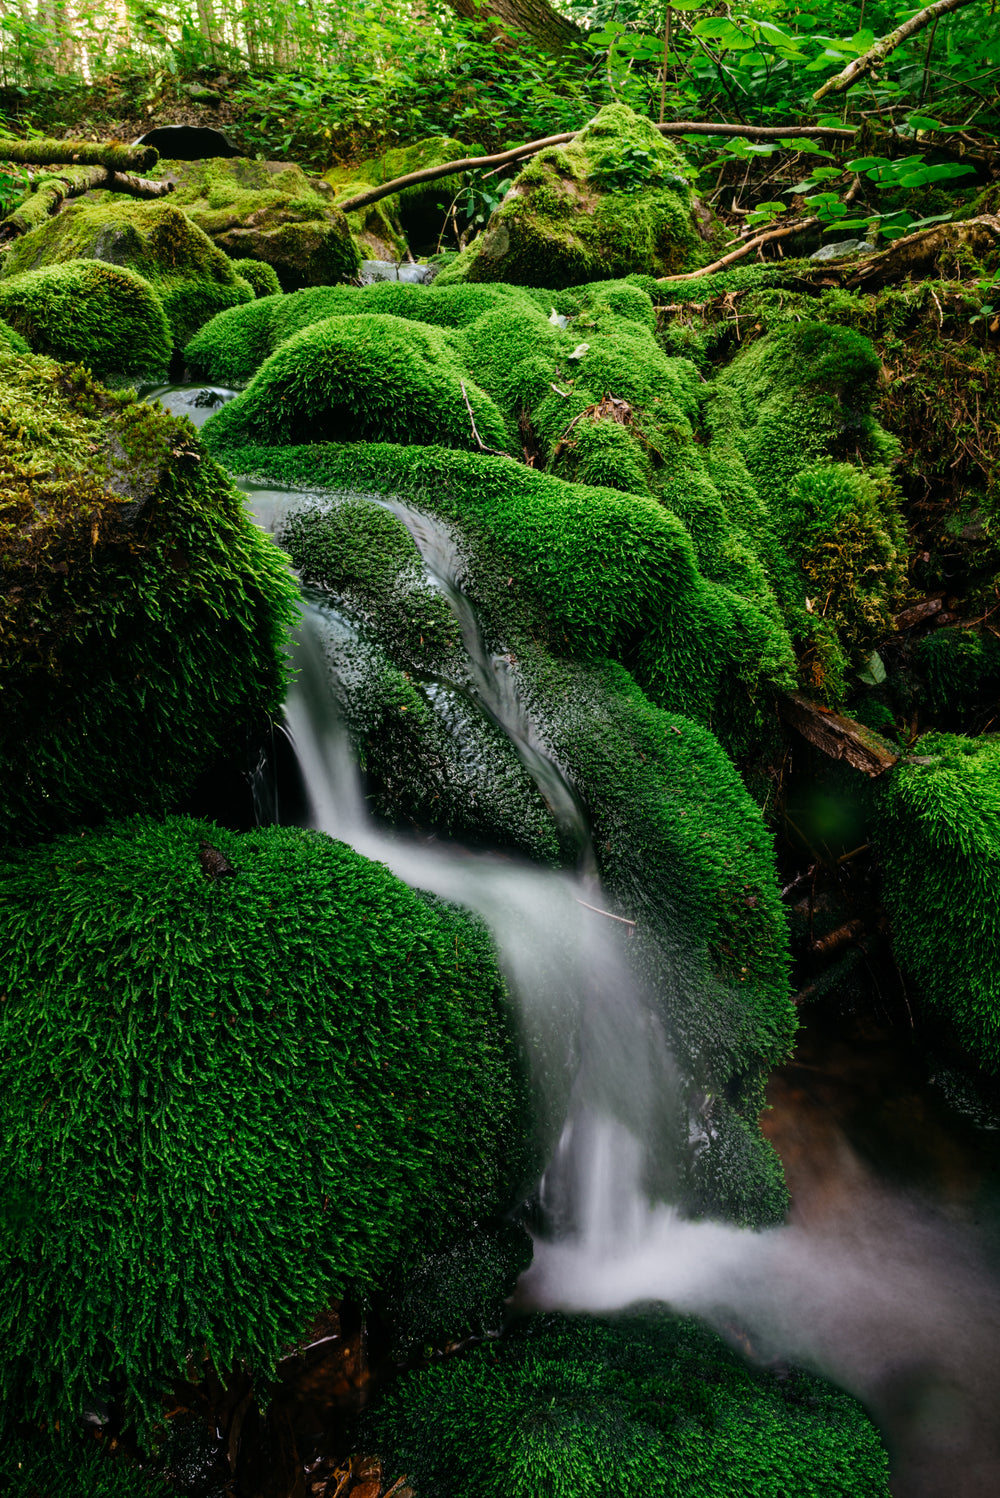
column 937, row 834
column 615, row 200
column 143, row 614
column 374, row 378
column 193, row 279
column 268, row 211
column 104, row 316
column 623, row 1409
column 281, row 1075
column 416, row 214
column 263, row 279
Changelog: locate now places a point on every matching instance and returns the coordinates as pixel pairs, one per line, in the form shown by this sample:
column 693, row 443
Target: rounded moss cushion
column 241, row 1075
column 627, row 1409
column 263, row 278
column 105, row 316
column 375, row 378
column 144, row 616
column 12, row 341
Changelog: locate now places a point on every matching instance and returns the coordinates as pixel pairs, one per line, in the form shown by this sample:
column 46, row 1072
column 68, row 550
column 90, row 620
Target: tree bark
column 545, row 26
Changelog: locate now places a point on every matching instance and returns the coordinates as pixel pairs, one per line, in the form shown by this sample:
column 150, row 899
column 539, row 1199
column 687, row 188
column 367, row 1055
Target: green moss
column 275, row 1085
column 270, row 211
column 233, row 346
column 961, row 668
column 623, row 1409
column 263, row 279
column 193, row 279
column 615, row 200
column 11, row 340
column 376, row 377
column 143, row 614
column 104, row 316
column 416, row 213
column 937, row 834
column 37, row 1466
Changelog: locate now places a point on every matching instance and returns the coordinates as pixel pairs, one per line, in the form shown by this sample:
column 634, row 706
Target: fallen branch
column 869, row 61
column 51, row 192
column 744, row 249
column 532, row 147
column 114, row 156
column 475, row 432
column 919, row 253
column 840, row 738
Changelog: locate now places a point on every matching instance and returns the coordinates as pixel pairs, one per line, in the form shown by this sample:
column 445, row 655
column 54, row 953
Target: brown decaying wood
column 918, row 613
column 825, row 945
column 532, row 147
column 876, row 55
column 839, row 737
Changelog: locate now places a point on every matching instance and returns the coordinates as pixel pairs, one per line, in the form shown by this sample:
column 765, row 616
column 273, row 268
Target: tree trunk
column 549, row 30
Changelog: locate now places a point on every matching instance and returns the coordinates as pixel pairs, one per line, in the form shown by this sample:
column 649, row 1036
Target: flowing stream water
column 890, row 1292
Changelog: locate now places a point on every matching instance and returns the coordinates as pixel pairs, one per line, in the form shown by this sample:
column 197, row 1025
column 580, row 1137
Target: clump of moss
column 937, row 834
column 375, row 378
column 193, row 279
column 623, row 1409
column 961, row 669
column 281, row 1075
column 616, row 200
column 62, row 1466
column 104, row 316
column 142, row 613
column 270, row 211
column 262, row 278
column 11, row 340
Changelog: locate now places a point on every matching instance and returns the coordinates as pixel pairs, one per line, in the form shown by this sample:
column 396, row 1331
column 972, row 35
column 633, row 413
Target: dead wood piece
column 839, row 737
column 475, row 431
column 823, row 946
column 918, row 613
column 918, row 254
column 51, row 191
column 113, row 155
column 744, row 249
column 608, row 408
column 214, row 864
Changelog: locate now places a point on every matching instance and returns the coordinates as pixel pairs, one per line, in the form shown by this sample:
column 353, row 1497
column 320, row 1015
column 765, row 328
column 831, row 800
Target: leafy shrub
column 143, row 615
column 104, row 316
column 235, row 1096
column 623, row 1409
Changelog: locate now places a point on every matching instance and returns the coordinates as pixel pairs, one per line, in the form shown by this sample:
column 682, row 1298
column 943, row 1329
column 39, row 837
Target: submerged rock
column 274, row 1087
column 193, row 279
column 143, row 614
column 617, row 199
column 268, row 211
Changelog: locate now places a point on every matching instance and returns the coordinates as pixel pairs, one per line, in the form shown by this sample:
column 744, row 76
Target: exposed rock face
column 268, row 211
column 614, row 201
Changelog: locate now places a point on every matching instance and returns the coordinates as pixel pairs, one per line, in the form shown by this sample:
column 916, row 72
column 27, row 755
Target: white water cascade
column 891, row 1298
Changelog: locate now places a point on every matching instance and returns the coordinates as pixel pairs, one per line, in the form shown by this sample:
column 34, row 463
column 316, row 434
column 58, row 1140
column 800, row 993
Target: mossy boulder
column 281, row 1074
column 376, row 377
column 416, row 214
column 104, row 316
column 937, row 834
column 623, row 1409
column 268, row 211
column 261, row 278
column 615, row 200
column 193, row 279
column 143, row 613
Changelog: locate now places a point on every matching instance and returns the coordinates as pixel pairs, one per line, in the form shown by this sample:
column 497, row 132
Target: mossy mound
column 193, row 279
column 72, row 1466
column 104, row 316
column 143, row 613
column 11, row 341
column 268, row 211
column 234, row 345
column 416, row 214
column 937, row 834
column 263, row 279
column 281, row 1075
column 623, row 1409
column 615, row 200
column 362, row 378
column 961, row 669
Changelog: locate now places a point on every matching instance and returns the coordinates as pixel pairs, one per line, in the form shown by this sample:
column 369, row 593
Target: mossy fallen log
column 113, row 156
column 50, row 192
